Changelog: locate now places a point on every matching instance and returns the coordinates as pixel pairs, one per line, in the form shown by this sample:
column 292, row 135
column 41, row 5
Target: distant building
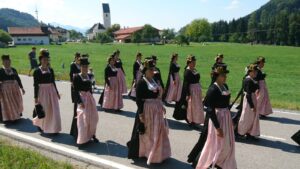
column 124, row 35
column 98, row 27
column 58, row 34
column 29, row 35
column 106, row 15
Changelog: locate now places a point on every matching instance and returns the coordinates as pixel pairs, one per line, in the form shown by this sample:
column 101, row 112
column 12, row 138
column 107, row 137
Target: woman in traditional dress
column 249, row 120
column 218, row 61
column 121, row 73
column 264, row 107
column 46, row 94
column 150, row 132
column 74, row 70
column 87, row 115
column 190, row 107
column 219, row 145
column 10, row 91
column 174, row 86
column 137, row 75
column 157, row 73
column 112, row 97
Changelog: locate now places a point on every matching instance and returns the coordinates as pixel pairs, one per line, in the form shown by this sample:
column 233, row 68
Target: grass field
column 282, row 64
column 16, row 157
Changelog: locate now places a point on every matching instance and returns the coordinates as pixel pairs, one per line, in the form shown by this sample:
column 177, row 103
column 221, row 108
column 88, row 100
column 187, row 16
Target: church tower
column 106, row 15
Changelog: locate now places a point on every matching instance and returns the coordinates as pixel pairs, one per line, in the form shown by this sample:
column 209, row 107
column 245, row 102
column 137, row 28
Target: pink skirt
column 133, row 87
column 174, row 90
column 249, row 121
column 49, row 100
column 263, row 101
column 113, row 98
column 154, row 144
column 122, row 81
column 87, row 118
column 195, row 112
column 11, row 100
column 219, row 151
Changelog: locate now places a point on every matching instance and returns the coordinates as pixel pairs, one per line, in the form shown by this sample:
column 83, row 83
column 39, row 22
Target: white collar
column 225, row 92
column 153, row 86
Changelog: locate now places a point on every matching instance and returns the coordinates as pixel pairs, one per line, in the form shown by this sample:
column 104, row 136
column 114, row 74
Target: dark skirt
column 33, row 64
column 134, row 143
column 74, row 129
column 194, row 155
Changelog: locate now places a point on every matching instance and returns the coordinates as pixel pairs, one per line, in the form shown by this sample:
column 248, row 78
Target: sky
column 159, row 13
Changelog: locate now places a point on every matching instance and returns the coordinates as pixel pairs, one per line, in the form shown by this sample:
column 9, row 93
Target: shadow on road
column 23, row 125
column 282, row 120
column 273, row 144
column 168, row 164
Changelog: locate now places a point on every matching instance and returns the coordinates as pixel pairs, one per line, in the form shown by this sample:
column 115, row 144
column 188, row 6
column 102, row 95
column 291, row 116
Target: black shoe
column 262, row 116
column 95, row 140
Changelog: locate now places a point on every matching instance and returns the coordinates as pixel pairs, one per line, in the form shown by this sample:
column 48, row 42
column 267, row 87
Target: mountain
column 276, row 22
column 11, row 17
column 69, row 27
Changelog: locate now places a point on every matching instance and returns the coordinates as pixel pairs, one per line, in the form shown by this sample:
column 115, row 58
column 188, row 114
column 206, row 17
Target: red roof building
column 124, row 35
column 29, row 35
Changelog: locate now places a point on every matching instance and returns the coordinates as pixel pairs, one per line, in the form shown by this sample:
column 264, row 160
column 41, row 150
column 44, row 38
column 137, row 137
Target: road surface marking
column 78, row 154
column 272, row 138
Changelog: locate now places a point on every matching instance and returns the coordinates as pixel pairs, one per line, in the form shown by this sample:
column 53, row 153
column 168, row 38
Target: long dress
column 112, row 97
column 46, row 92
column 249, row 120
column 74, row 70
column 218, row 151
column 137, row 75
column 264, row 106
column 87, row 117
column 121, row 77
column 154, row 144
column 191, row 109
column 173, row 91
column 10, row 95
column 157, row 77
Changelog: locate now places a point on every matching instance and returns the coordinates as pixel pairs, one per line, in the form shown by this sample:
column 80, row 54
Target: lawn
column 282, row 65
column 16, row 157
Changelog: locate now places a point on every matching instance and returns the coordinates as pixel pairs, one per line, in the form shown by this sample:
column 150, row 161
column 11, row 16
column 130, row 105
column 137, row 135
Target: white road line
column 53, row 146
column 286, row 112
column 272, row 138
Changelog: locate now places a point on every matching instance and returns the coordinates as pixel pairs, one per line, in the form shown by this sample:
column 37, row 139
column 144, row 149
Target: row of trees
column 277, row 22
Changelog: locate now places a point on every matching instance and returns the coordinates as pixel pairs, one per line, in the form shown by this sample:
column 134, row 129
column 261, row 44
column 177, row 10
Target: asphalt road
column 274, row 150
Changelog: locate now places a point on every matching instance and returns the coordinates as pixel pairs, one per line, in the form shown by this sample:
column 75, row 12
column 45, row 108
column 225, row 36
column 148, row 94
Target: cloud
column 234, row 4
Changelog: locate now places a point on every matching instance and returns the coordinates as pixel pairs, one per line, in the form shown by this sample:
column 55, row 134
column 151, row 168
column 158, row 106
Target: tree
column 110, row 31
column 75, row 35
column 294, row 29
column 182, row 39
column 168, row 34
column 103, row 38
column 199, row 30
column 149, row 33
column 5, row 37
column 252, row 27
column 136, row 37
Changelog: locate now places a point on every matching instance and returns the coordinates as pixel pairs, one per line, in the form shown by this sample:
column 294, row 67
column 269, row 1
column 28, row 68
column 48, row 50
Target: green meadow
column 282, row 63
column 12, row 156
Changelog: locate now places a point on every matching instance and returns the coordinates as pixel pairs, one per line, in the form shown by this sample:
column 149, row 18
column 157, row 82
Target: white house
column 29, row 35
column 98, row 27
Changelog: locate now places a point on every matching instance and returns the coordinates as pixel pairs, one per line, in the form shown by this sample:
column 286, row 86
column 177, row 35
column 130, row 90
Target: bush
column 103, row 38
column 5, row 37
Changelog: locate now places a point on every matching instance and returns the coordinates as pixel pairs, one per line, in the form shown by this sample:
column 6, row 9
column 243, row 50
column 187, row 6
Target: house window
column 19, row 39
column 29, row 39
column 24, row 39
